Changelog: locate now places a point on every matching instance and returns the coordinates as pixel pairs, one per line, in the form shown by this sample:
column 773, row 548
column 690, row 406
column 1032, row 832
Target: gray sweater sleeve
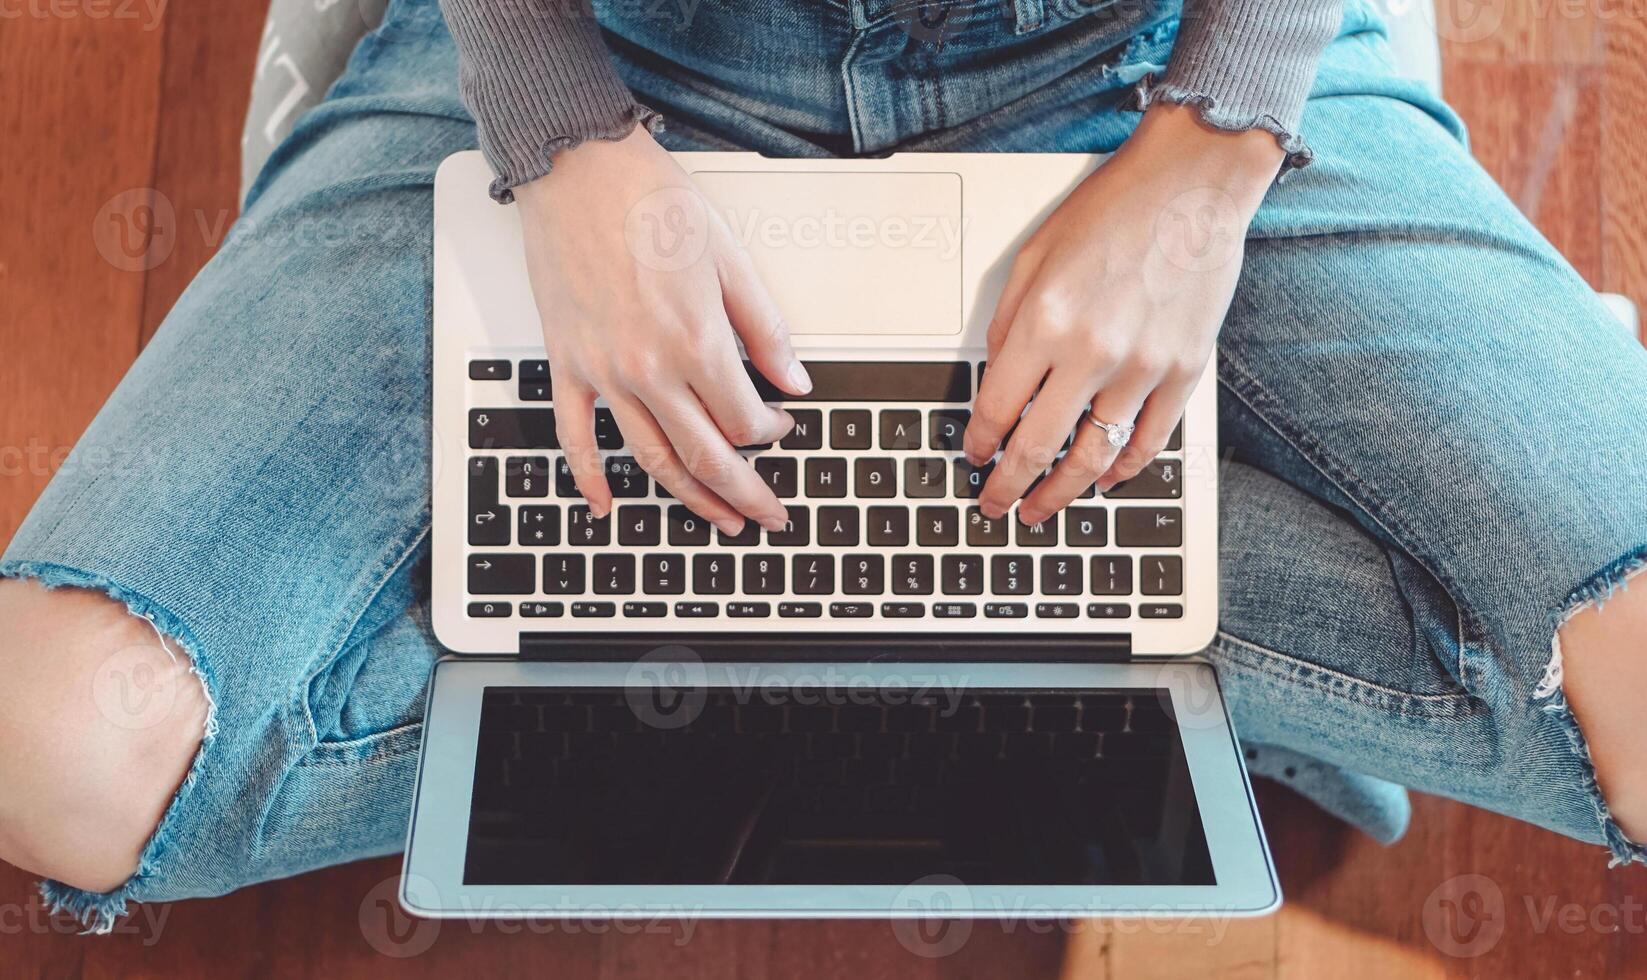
column 538, row 78
column 1248, row 64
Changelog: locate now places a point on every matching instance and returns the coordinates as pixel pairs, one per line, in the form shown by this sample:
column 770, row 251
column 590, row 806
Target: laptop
column 894, row 706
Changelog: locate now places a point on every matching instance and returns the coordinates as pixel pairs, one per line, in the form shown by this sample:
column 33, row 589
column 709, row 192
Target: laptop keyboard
column 883, row 518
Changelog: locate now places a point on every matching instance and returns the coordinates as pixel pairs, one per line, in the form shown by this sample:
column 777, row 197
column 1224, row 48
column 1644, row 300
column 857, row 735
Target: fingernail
column 775, row 523
column 1030, row 516
column 729, row 527
column 993, row 512
column 599, row 510
column 799, row 378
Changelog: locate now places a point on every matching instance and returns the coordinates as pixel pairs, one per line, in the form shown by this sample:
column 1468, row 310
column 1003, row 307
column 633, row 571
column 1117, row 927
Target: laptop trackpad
column 851, row 253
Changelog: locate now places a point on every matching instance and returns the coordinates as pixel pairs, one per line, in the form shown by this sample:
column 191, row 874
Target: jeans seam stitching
column 1371, row 694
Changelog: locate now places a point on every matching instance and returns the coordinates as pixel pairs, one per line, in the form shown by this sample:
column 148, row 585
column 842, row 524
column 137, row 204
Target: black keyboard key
column 955, row 610
column 614, row 574
column 543, row 610
column 598, row 610
column 607, row 435
column 808, row 430
column 851, row 610
column 1011, row 575
column 489, row 370
column 563, row 574
column 483, row 482
column 912, row 575
column 686, row 529
column 1161, row 479
column 526, row 476
column 984, row 532
column 900, row 429
column 663, row 574
column 489, row 526
column 1087, row 527
column 781, row 473
column 876, row 381
column 838, row 527
column 1109, row 610
column 534, row 370
column 903, row 610
column 937, row 527
column 862, row 574
column 625, row 476
column 1149, row 527
column 970, row 480
column 800, row 610
column 502, row 574
column 1161, row 575
column 814, row 574
column 1161, row 610
column 797, row 530
column 748, row 610
column 1043, row 534
column 490, row 610
column 645, row 610
column 1176, row 440
column 888, row 527
column 946, row 429
column 962, row 574
column 849, row 428
column 1060, row 575
column 1005, row 610
column 512, row 428
column 712, row 574
column 565, row 485
column 1111, row 575
column 536, row 391
column 697, row 610
column 585, row 530
column 748, row 537
column 540, row 526
column 925, row 476
column 875, row 478
column 826, row 478
column 762, row 574
column 1057, row 610
column 639, row 525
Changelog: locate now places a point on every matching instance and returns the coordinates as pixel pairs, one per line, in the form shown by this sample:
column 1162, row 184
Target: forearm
column 538, row 79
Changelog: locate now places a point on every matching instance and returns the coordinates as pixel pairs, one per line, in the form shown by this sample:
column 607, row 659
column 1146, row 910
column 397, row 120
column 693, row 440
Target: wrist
column 1173, row 141
column 602, row 159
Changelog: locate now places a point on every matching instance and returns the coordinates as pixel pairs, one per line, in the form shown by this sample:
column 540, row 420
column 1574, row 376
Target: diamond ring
column 1118, row 433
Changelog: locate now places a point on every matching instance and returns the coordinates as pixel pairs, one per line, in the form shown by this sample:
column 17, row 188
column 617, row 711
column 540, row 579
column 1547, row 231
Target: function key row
column 601, row 609
column 816, row 574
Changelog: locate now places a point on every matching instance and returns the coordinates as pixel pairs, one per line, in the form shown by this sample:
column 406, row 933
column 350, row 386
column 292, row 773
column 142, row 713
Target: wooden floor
column 94, row 106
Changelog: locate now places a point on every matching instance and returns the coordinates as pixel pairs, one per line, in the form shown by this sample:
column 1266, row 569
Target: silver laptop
column 893, row 707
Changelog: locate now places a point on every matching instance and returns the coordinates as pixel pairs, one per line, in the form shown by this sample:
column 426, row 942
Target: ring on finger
column 1118, row 433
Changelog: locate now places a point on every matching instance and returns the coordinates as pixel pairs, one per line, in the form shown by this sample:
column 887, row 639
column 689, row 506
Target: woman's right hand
column 640, row 287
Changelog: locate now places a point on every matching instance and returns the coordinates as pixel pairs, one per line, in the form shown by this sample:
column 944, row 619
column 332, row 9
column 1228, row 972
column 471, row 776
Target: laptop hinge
column 836, row 647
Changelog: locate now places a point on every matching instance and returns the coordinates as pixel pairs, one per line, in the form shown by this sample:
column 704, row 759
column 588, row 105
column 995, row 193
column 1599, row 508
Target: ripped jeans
column 1436, row 448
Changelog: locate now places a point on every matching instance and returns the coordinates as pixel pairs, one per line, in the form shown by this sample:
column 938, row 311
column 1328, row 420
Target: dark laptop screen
column 832, row 786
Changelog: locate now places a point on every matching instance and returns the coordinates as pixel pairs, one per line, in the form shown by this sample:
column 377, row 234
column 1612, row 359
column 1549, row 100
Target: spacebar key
column 876, row 381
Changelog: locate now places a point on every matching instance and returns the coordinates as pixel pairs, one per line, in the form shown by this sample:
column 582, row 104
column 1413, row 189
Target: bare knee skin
column 99, row 723
column 1604, row 662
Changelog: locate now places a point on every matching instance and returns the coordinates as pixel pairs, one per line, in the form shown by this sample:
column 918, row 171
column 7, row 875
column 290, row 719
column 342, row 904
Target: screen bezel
column 432, row 884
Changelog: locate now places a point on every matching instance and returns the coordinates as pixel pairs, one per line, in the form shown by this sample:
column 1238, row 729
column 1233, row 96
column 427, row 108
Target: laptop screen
column 832, row 786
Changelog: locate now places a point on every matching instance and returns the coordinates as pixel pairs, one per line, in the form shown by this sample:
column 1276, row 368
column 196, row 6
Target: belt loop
column 1028, row 15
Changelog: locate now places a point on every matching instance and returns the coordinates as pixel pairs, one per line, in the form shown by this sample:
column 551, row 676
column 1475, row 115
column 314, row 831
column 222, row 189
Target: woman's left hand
column 1112, row 307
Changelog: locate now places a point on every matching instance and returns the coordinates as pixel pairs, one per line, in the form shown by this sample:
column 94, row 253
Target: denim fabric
column 1434, row 455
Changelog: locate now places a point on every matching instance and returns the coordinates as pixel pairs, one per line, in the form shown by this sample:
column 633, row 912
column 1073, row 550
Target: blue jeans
column 1433, row 458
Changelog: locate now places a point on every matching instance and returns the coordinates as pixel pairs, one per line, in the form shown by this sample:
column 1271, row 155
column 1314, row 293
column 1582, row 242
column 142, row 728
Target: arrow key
column 489, row 526
column 501, row 574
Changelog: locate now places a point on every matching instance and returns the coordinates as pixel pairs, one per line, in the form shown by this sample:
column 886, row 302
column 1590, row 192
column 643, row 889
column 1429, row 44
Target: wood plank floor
column 99, row 110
